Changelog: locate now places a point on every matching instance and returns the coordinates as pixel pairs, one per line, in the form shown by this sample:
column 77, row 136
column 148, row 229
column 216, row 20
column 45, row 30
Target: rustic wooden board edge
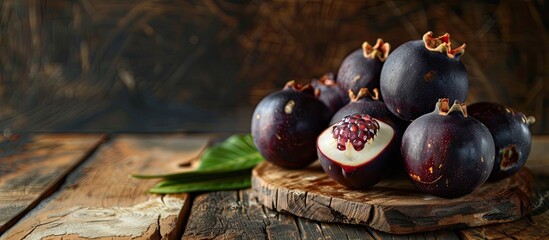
column 534, row 226
column 180, row 220
column 56, row 184
column 324, row 208
column 238, row 214
column 184, row 214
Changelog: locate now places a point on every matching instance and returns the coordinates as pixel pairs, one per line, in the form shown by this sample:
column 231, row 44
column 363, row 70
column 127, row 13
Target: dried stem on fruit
column 443, row 107
column 442, row 44
column 362, row 93
column 379, row 51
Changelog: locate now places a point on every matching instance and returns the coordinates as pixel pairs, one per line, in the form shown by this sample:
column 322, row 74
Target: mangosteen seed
column 355, row 129
column 362, row 103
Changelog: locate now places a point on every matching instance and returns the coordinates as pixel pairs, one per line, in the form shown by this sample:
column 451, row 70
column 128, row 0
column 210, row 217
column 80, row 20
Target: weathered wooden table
column 78, row 186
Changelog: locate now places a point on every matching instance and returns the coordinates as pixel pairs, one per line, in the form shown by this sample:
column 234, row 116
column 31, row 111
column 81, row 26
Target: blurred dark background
column 154, row 66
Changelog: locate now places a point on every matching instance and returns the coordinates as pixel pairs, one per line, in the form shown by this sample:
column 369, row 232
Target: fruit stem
column 442, row 44
column 328, row 79
column 464, row 109
column 443, row 107
column 530, row 120
column 290, row 84
column 379, row 51
column 307, row 88
column 362, row 93
column 375, row 96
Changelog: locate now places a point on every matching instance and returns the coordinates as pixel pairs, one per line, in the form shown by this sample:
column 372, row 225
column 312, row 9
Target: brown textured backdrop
column 130, row 65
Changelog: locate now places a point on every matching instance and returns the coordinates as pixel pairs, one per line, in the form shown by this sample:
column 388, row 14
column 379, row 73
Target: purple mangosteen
column 329, row 92
column 420, row 72
column 356, row 151
column 447, row 153
column 367, row 102
column 361, row 68
column 286, row 123
column 511, row 133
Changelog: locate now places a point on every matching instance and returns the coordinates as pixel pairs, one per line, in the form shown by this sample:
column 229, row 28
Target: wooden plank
column 343, row 231
column 536, row 224
column 232, row 214
column 533, row 226
column 33, row 166
column 393, row 205
column 238, row 214
column 310, row 229
column 312, row 205
column 101, row 200
column 442, row 235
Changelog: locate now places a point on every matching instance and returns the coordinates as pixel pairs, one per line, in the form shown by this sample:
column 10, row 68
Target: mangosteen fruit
column 356, row 151
column 362, row 67
column 356, row 103
column 368, row 102
column 329, row 92
column 511, row 133
column 286, row 123
column 420, row 72
column 446, row 152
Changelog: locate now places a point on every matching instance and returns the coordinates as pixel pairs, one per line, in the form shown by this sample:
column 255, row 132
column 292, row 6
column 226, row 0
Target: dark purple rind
column 461, row 151
column 374, row 108
column 288, row 140
column 355, row 64
column 507, row 128
column 331, row 95
column 414, row 78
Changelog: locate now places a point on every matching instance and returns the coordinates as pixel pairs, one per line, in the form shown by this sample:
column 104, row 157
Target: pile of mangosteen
column 402, row 110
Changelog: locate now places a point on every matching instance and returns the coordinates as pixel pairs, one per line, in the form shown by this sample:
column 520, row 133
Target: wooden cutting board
column 393, row 205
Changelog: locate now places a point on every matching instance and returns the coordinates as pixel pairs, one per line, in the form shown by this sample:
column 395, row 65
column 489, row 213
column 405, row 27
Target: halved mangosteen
column 356, row 151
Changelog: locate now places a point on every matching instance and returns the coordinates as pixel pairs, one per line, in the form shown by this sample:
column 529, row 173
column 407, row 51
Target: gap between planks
column 176, row 230
column 57, row 184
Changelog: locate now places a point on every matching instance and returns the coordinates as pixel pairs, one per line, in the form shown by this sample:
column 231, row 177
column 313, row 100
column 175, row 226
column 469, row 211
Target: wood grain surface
column 536, row 224
column 226, row 215
column 32, row 167
column 238, row 214
column 101, row 200
column 98, row 199
column 392, row 205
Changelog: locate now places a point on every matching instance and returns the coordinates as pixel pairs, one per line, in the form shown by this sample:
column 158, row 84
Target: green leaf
column 224, row 166
column 239, row 182
column 237, row 152
column 197, row 175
